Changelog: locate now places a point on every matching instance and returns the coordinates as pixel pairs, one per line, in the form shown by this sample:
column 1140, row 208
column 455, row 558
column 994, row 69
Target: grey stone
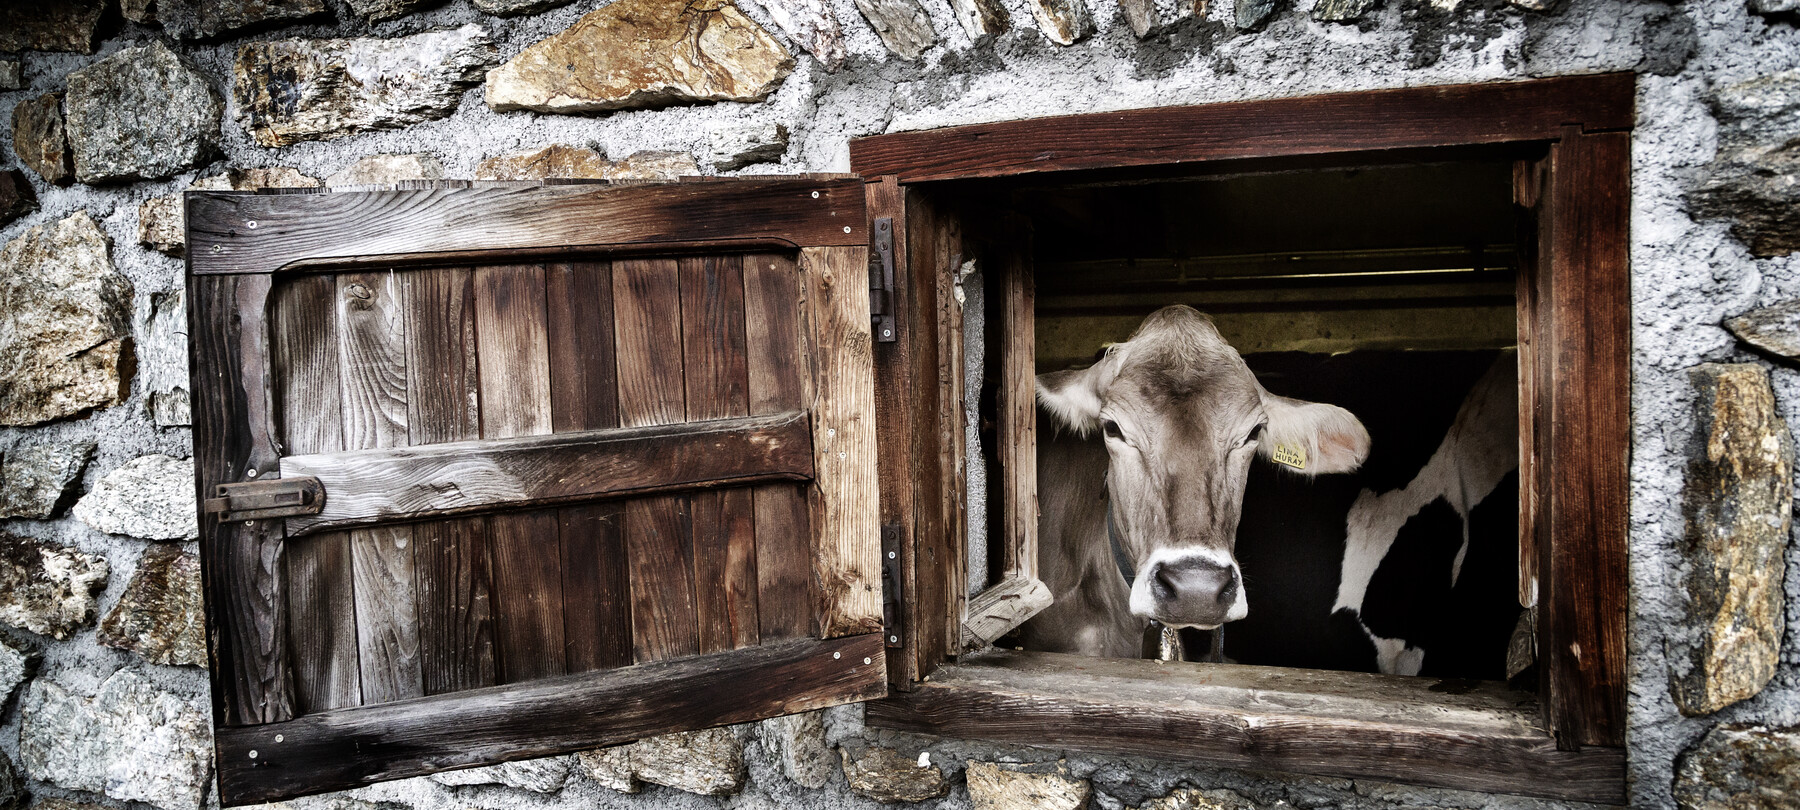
column 142, row 12
column 981, row 20
column 545, row 775
column 378, row 10
column 208, row 19
column 708, row 762
column 16, row 195
column 64, row 322
column 50, row 25
column 12, row 788
column 46, row 588
column 1064, row 22
column 293, row 90
column 1039, row 786
column 734, row 146
column 508, row 8
column 641, row 54
column 1770, row 8
column 610, row 767
column 1740, row 767
column 797, row 741
column 130, row 741
column 652, row 165
column 151, row 497
column 903, row 25
column 1342, row 11
column 1774, row 329
column 1191, row 799
column 813, row 26
column 886, row 775
column 1148, row 17
column 50, row 803
column 34, row 479
column 162, row 221
column 1252, row 15
column 159, row 616
column 140, row 113
column 12, row 74
column 40, row 139
column 1738, row 502
column 555, row 160
column 15, row 666
column 1754, row 180
column 163, row 356
column 386, row 170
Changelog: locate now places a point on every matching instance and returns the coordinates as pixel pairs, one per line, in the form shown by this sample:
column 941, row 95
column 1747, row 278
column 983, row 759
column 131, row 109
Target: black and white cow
column 1405, row 565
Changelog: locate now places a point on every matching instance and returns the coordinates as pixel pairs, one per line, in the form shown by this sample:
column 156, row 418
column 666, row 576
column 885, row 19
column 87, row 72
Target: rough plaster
column 1686, row 276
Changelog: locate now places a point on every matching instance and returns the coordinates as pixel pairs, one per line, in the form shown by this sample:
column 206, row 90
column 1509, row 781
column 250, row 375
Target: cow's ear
column 1312, row 437
column 1073, row 397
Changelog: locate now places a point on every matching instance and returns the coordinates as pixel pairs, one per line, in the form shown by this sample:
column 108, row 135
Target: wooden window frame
column 1570, row 138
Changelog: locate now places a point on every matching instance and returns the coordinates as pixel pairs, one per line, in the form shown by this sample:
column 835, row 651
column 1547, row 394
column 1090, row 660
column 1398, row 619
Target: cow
column 1149, row 450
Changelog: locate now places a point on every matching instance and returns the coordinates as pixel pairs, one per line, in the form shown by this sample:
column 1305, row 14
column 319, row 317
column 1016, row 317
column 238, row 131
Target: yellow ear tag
column 1292, row 455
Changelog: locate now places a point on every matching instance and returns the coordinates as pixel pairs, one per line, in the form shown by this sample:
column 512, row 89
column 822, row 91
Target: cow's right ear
column 1073, row 397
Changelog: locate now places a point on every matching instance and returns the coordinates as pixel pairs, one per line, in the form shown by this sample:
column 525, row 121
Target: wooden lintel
column 1467, row 735
column 1403, row 118
column 347, row 748
column 437, row 480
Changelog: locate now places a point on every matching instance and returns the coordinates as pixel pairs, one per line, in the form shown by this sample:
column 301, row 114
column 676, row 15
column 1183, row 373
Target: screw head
column 891, row 555
column 893, row 639
column 250, row 473
column 815, row 195
column 887, row 333
column 867, row 661
column 846, row 229
column 253, row 754
column 218, row 248
column 837, row 655
column 251, row 224
column 280, row 738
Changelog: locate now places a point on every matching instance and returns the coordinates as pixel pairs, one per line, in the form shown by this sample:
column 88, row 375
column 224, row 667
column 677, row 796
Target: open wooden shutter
column 490, row 473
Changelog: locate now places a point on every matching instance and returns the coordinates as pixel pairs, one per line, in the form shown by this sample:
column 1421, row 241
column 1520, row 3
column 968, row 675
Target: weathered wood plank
column 443, row 226
column 1000, row 609
column 454, row 590
column 846, row 516
column 1528, row 182
column 1470, row 736
column 345, row 749
column 895, row 418
column 777, row 361
column 715, row 367
column 303, row 333
column 584, row 395
column 1018, row 411
column 659, row 539
column 511, row 324
column 408, row 483
column 240, row 563
column 950, row 542
column 1379, row 119
column 372, row 354
column 1582, row 634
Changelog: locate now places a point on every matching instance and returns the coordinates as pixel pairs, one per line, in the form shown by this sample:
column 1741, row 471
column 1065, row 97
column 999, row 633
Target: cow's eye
column 1112, row 430
column 1254, row 436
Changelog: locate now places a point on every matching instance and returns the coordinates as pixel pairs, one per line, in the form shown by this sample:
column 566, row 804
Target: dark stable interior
column 1386, row 290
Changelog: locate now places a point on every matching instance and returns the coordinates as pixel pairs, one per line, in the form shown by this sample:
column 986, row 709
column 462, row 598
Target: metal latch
column 255, row 500
column 890, row 585
column 881, row 283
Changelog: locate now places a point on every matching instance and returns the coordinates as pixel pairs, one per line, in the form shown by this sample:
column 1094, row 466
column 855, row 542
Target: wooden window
column 1568, row 140
column 506, row 471
column 496, row 471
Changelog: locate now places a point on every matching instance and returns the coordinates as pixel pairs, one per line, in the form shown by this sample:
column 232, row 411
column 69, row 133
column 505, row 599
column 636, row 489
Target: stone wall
column 114, row 107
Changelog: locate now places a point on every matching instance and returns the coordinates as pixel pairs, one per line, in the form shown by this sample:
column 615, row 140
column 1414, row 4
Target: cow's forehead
column 1221, row 388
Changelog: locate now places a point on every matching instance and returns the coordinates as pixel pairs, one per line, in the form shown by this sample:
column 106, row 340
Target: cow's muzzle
column 1193, row 590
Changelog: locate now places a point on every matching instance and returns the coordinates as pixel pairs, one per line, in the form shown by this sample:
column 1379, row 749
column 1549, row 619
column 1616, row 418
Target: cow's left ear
column 1313, row 438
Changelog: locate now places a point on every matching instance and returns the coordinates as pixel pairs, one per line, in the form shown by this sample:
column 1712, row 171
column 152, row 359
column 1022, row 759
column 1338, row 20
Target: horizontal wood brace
column 1469, row 735
column 245, row 232
column 365, row 487
column 347, row 748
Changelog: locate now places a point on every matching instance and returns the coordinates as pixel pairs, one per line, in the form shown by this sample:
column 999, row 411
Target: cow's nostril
column 1165, row 582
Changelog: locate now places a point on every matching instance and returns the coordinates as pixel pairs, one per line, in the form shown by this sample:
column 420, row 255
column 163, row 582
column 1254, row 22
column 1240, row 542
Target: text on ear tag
column 1292, row 455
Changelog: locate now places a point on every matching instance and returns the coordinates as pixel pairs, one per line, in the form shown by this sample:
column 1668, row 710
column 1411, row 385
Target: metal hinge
column 255, row 500
column 881, row 283
column 891, row 629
